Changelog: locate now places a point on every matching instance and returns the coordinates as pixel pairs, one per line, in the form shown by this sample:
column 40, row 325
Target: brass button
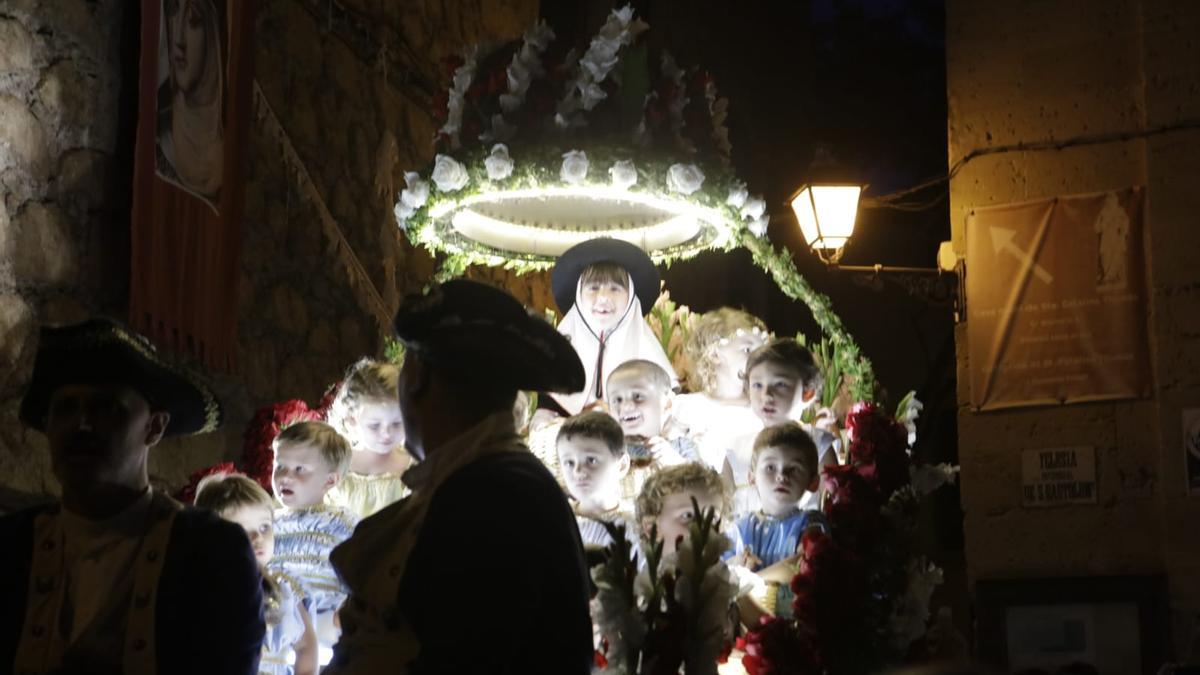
column 394, row 571
column 38, row 631
column 151, row 555
column 48, row 545
column 139, row 644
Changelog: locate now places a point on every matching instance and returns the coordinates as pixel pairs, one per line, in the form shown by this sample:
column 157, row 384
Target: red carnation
column 779, row 647
column 188, row 494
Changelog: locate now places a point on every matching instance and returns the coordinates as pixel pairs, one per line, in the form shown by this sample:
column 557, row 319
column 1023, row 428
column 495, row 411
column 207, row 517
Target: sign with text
column 1056, row 301
column 1058, row 476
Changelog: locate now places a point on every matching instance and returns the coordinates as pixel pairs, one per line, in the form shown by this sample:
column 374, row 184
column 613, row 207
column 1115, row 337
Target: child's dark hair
column 788, row 352
column 594, row 424
column 605, row 272
column 788, row 435
column 653, row 372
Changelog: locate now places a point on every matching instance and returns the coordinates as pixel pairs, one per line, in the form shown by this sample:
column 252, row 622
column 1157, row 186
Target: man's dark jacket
column 209, row 608
column 496, row 582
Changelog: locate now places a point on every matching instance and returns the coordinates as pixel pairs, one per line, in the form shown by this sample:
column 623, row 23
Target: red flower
column 779, row 647
column 187, row 495
column 258, row 457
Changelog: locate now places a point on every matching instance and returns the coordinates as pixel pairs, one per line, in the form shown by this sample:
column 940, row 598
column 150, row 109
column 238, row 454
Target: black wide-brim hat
column 102, row 351
column 478, row 331
column 564, row 279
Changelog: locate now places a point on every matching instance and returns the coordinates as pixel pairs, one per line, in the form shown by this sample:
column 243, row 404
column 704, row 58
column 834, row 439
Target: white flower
column 463, row 76
column 737, row 195
column 574, row 167
column 907, row 413
column 417, row 193
column 623, row 174
column 448, row 174
column 758, row 226
column 518, row 77
column 928, row 477
column 402, row 212
column 684, row 178
column 591, row 94
column 753, row 208
column 499, row 164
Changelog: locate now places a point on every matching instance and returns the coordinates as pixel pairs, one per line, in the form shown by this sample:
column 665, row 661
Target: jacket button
column 139, row 644
column 44, row 584
column 48, row 545
column 394, row 571
column 38, row 631
column 151, row 555
column 141, row 600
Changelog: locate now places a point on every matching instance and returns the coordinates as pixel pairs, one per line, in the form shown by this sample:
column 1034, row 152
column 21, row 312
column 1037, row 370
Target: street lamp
column 826, row 212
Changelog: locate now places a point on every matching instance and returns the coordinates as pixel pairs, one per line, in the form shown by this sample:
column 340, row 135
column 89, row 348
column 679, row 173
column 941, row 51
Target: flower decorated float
column 542, row 147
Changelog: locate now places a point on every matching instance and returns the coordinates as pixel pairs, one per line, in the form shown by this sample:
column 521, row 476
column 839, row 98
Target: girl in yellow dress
column 367, row 413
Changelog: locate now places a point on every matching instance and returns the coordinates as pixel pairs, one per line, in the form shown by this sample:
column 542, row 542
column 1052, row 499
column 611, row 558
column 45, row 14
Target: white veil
column 630, row 339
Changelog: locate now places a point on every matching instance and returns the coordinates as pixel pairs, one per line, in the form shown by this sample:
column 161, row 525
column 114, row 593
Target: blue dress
column 303, row 540
column 773, row 539
column 284, row 626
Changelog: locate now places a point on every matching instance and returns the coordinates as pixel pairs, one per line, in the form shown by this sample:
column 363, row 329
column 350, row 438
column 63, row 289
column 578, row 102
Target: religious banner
column 1056, row 301
column 1058, row 476
column 193, row 113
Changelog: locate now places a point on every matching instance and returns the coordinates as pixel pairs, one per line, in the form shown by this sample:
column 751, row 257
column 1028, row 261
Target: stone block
column 18, row 328
column 46, row 248
column 18, row 49
column 83, row 178
column 23, row 139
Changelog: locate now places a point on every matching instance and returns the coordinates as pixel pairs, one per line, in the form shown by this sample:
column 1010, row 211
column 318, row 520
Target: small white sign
column 1057, row 476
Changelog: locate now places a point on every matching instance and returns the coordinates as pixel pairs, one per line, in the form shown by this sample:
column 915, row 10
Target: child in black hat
column 605, row 287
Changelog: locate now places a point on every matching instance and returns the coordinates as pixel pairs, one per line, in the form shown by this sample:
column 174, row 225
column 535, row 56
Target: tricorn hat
column 103, row 351
column 564, row 279
column 471, row 327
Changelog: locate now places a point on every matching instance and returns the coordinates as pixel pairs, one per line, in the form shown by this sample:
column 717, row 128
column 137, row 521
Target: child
column 783, row 467
column 591, row 455
column 605, row 287
column 367, row 413
column 665, row 502
column 310, row 458
column 639, row 397
column 782, row 382
column 241, row 500
column 719, row 411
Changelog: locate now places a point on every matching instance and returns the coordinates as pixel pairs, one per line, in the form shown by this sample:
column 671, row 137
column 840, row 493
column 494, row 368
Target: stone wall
column 63, row 243
column 349, row 84
column 1022, row 72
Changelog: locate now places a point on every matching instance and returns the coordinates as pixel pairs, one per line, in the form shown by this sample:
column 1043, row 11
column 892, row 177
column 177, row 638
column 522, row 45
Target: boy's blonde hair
column 675, row 479
column 366, row 381
column 788, row 435
column 334, row 449
column 223, row 492
column 705, row 337
column 650, row 370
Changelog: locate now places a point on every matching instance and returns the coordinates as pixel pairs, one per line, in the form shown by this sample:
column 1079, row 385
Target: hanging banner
column 1056, row 301
column 189, row 175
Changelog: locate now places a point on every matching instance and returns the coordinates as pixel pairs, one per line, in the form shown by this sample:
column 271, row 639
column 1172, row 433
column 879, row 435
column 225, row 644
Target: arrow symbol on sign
column 1002, row 240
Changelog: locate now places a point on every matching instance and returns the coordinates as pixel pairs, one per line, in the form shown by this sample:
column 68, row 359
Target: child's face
column 602, row 303
column 730, row 361
column 259, row 524
column 639, row 406
column 773, row 389
column 301, row 476
column 781, row 479
column 591, row 471
column 377, row 426
column 677, row 515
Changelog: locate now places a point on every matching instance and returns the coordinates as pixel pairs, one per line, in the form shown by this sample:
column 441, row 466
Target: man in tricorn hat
column 117, row 578
column 481, row 569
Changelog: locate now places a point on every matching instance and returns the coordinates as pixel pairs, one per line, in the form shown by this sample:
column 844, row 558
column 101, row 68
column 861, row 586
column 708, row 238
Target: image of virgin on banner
column 189, row 132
